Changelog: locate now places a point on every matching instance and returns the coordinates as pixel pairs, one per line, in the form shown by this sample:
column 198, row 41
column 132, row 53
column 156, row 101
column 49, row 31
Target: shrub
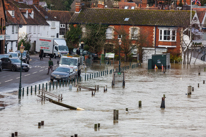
column 175, row 58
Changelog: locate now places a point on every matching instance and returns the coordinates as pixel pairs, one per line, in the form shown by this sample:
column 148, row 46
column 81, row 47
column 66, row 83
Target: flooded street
column 183, row 115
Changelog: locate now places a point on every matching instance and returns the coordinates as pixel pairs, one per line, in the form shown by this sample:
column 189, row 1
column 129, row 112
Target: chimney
column 144, row 3
column 78, row 7
column 36, row 2
column 101, row 4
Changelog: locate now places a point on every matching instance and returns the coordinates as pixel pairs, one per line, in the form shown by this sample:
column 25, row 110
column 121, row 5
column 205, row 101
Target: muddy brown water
column 183, row 116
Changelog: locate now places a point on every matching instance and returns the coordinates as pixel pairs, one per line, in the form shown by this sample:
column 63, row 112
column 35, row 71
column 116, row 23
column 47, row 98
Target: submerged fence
column 59, row 84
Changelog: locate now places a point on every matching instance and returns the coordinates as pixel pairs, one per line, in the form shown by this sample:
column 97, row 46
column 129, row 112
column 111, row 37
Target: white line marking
column 17, row 77
column 27, row 75
column 0, row 82
column 9, row 80
column 41, row 70
column 34, row 72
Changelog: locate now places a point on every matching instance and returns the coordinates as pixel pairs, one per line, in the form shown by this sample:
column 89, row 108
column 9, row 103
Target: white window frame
column 119, row 36
column 167, row 34
column 34, row 29
column 12, row 29
column 126, row 7
column 29, row 29
column 53, row 25
column 132, row 33
column 109, row 33
column 17, row 29
column 62, row 25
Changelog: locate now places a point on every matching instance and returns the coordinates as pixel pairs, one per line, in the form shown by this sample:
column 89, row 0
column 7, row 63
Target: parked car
column 25, row 56
column 14, row 54
column 0, row 65
column 4, row 56
column 63, row 73
column 94, row 55
column 14, row 64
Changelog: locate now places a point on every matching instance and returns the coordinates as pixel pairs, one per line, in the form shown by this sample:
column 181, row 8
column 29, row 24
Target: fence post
column 35, row 89
column 31, row 90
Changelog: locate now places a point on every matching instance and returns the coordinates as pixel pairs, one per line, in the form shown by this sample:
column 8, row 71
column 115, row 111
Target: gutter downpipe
column 155, row 38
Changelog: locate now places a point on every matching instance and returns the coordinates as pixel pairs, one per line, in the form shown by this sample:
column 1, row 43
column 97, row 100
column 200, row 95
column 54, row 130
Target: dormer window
column 126, row 7
column 132, row 7
column 11, row 12
column 32, row 14
column 26, row 14
column 62, row 25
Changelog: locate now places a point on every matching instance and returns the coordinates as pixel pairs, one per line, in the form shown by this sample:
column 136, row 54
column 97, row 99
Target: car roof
column 12, row 52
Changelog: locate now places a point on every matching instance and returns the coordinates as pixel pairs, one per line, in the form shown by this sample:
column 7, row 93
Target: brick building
column 162, row 28
column 2, row 26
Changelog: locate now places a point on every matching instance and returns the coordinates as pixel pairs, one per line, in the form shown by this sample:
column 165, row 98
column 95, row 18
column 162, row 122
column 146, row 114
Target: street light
column 120, row 42
column 21, row 51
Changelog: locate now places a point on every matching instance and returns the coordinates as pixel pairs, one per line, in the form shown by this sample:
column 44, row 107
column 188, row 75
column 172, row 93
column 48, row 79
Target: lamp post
column 21, row 51
column 120, row 42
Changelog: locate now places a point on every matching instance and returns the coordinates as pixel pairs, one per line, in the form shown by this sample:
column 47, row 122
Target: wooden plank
column 64, row 105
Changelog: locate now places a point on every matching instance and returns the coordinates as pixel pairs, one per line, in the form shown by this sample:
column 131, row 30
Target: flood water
column 183, row 115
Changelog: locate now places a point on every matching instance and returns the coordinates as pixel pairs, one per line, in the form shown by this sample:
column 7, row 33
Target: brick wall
column 2, row 24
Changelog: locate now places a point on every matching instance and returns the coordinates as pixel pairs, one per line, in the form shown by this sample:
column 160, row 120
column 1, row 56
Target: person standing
column 41, row 53
column 50, row 63
column 78, row 51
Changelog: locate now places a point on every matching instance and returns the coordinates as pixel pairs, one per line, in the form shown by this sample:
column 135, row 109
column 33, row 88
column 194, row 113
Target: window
column 119, row 36
column 132, row 7
column 53, row 24
column 126, row 19
column 109, row 33
column 134, row 33
column 126, row 7
column 12, row 13
column 12, row 29
column 62, row 25
column 17, row 29
column 29, row 29
column 34, row 29
column 167, row 35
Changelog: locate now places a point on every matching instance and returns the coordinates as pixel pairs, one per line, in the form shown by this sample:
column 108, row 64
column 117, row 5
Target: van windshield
column 68, row 61
column 63, row 48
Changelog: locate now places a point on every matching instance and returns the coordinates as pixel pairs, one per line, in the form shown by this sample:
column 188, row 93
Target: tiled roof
column 136, row 17
column 19, row 10
column 62, row 16
column 45, row 13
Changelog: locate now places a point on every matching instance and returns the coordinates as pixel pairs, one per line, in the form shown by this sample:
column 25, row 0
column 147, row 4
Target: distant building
column 163, row 28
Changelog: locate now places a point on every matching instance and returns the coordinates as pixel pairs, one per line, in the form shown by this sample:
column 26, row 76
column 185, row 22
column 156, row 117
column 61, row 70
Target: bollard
column 31, row 90
column 42, row 123
column 42, row 86
column 35, row 89
column 46, row 86
column 90, row 76
column 27, row 91
column 126, row 109
column 12, row 134
column 23, row 92
column 192, row 88
column 106, row 88
column 163, row 103
column 115, row 114
column 60, row 83
column 87, row 77
column 203, row 81
column 75, row 135
column 56, row 84
column 101, row 73
column 16, row 134
column 93, row 93
column 95, row 127
column 39, row 124
column 97, row 87
column 198, row 85
column 39, row 86
column 189, row 90
column 49, row 86
column 53, row 84
column 98, row 125
column 140, row 104
column 199, row 70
